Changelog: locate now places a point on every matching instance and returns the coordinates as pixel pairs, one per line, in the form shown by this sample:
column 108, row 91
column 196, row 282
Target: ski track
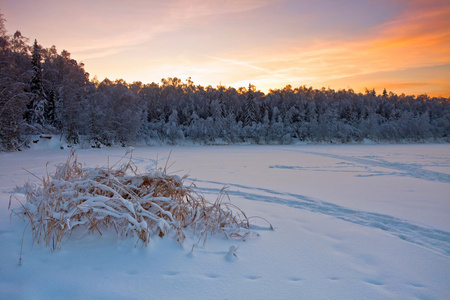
column 435, row 240
column 410, row 170
column 338, row 169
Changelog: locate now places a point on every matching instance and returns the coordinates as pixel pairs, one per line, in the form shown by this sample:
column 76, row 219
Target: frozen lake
column 351, row 222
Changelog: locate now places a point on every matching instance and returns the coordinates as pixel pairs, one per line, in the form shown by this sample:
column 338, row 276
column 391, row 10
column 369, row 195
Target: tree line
column 46, row 92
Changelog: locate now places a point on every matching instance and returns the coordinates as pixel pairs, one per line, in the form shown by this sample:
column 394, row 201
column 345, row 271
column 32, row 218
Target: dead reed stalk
column 145, row 205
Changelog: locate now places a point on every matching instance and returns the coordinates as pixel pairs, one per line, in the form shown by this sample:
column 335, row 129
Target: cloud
column 407, row 85
column 270, row 43
column 186, row 9
column 239, row 63
column 430, row 80
column 144, row 22
column 419, row 36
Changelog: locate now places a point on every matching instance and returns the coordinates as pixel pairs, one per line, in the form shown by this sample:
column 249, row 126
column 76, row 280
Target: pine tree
column 49, row 112
column 38, row 103
column 249, row 109
column 221, row 102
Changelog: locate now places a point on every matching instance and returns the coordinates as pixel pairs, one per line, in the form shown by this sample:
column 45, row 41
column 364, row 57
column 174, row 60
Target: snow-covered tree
column 250, row 107
column 38, row 103
column 13, row 97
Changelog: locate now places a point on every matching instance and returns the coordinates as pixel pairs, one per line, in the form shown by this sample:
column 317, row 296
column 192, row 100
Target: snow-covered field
column 351, row 222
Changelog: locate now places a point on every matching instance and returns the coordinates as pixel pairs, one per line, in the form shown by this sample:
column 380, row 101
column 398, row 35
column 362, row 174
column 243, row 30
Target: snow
column 351, row 222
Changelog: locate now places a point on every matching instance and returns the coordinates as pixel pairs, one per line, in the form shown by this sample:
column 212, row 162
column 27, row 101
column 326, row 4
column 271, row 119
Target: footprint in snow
column 253, row 277
column 172, row 273
column 416, row 285
column 295, row 279
column 334, row 278
column 373, row 281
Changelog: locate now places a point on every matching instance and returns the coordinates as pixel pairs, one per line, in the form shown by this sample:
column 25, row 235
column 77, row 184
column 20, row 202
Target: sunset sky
column 400, row 45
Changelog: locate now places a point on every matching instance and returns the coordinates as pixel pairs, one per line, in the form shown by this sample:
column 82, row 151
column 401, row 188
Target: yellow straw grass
column 144, row 205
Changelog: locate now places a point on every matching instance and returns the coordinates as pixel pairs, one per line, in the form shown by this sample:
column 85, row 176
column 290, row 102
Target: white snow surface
column 350, row 222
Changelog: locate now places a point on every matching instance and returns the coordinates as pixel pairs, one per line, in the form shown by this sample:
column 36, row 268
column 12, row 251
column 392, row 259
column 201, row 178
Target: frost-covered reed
column 133, row 204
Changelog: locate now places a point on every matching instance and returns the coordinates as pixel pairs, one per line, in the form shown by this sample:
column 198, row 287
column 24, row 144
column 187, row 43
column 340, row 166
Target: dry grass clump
column 145, row 205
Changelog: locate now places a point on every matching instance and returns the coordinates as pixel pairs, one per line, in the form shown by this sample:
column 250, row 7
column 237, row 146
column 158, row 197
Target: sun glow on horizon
column 403, row 46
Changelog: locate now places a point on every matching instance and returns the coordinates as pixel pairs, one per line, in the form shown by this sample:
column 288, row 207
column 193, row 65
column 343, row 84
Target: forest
column 49, row 93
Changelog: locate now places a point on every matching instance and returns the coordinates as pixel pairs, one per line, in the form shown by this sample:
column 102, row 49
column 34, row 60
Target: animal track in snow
column 433, row 239
column 410, row 170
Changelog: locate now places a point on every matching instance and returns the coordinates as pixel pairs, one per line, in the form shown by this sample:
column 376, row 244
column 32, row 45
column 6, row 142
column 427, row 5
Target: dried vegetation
column 142, row 205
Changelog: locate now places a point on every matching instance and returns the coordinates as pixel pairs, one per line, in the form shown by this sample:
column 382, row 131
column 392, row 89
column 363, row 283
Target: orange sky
column 400, row 45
